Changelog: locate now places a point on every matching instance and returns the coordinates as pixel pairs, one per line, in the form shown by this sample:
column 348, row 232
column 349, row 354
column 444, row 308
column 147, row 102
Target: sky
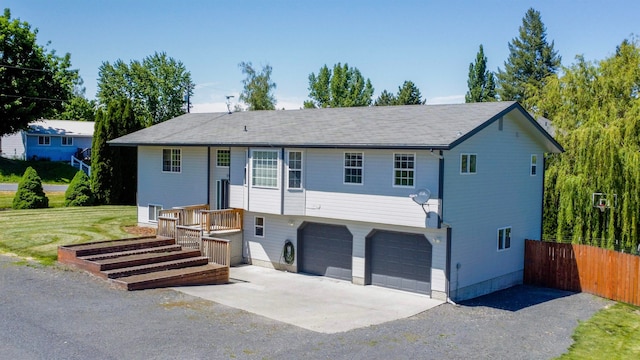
column 430, row 43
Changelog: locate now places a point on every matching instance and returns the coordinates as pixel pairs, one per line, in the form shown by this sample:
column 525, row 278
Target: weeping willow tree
column 595, row 109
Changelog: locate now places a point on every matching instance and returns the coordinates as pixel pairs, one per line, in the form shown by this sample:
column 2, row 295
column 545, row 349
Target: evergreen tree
column 481, row 82
column 30, row 194
column 113, row 169
column 257, row 88
column 531, row 60
column 409, row 94
column 342, row 87
column 79, row 191
column 385, row 99
column 595, row 110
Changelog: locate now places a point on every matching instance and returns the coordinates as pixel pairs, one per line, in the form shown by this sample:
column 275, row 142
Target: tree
column 595, row 109
column 257, row 88
column 531, row 60
column 157, row 86
column 78, row 108
column 33, row 81
column 344, row 87
column 30, row 194
column 408, row 94
column 113, row 169
column 481, row 82
column 385, row 99
column 79, row 191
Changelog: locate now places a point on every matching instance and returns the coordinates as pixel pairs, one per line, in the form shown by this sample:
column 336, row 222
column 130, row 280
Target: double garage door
column 393, row 259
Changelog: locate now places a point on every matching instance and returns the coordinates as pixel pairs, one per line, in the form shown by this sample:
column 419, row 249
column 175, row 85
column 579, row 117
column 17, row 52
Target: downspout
column 448, row 268
column 209, row 176
column 440, row 187
column 282, row 181
column 544, row 166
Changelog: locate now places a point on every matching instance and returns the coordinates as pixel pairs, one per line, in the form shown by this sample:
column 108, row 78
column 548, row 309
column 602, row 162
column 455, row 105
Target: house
column 434, row 199
column 55, row 140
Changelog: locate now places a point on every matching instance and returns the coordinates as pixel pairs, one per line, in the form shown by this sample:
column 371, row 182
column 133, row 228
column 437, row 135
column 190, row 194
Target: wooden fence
column 585, row 268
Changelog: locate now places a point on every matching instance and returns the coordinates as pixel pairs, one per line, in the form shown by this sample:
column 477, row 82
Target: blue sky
column 428, row 42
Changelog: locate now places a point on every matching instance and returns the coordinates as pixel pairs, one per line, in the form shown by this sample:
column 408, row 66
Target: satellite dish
column 421, row 197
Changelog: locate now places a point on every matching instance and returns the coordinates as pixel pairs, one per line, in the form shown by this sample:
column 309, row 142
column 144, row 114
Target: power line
column 30, row 97
column 22, row 68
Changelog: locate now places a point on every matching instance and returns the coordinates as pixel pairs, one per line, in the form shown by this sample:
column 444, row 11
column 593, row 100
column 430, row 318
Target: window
column 44, row 140
column 504, row 238
column 259, row 226
column 468, row 163
column 534, row 164
column 154, row 212
column 264, row 169
column 403, row 169
column 353, row 168
column 295, row 169
column 223, row 158
column 67, row 141
column 171, row 160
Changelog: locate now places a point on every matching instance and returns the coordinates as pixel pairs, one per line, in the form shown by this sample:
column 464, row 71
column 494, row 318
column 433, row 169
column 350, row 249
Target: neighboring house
column 55, row 140
column 344, row 186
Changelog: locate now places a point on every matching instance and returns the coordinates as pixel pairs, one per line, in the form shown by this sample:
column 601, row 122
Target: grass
column 37, row 233
column 56, row 199
column 612, row 333
column 51, row 172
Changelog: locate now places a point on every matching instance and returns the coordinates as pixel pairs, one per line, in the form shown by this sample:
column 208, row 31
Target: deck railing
column 167, row 226
column 190, row 214
column 217, row 250
column 188, row 237
column 216, row 220
column 81, row 165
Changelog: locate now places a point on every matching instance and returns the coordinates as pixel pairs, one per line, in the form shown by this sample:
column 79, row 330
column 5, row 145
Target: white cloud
column 451, row 99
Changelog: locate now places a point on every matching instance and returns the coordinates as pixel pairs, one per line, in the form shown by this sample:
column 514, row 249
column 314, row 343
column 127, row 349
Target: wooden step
column 157, row 249
column 210, row 274
column 70, row 254
column 159, row 266
column 133, row 260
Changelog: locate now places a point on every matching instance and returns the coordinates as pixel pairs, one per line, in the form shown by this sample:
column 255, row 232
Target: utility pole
column 188, row 97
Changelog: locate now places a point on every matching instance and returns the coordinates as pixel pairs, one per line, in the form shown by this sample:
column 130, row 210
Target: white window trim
column 69, row 142
column 301, row 170
column 534, row 165
column 170, row 171
column 155, row 212
column 468, row 172
column 393, row 183
column 501, row 241
column 256, row 226
column 218, row 158
column 344, row 168
column 43, row 143
column 252, row 169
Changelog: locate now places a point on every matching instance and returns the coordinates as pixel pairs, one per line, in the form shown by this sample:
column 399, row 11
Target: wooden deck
column 144, row 263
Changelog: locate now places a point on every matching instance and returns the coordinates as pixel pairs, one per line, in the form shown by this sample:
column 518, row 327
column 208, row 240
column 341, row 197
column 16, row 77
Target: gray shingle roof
column 61, row 127
column 414, row 126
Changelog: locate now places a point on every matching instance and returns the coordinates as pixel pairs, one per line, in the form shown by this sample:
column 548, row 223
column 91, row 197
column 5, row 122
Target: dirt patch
column 140, row 230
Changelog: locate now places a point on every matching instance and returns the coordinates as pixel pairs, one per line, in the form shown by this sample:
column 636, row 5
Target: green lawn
column 51, row 172
column 612, row 333
column 37, row 233
column 56, row 199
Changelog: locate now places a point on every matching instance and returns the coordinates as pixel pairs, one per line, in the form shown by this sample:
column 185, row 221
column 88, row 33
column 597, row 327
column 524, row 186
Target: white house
column 56, row 140
column 434, row 199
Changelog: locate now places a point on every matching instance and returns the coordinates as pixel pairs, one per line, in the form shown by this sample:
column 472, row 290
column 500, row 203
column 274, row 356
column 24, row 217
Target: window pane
column 353, row 168
column 472, row 163
column 403, row 169
column 265, row 169
column 500, row 237
column 223, row 158
column 463, row 164
column 507, row 238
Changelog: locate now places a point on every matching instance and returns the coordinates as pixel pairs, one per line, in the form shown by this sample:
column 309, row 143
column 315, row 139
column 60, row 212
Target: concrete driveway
column 314, row 303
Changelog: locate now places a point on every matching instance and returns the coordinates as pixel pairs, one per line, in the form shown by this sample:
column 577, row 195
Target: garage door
column 325, row 250
column 399, row 261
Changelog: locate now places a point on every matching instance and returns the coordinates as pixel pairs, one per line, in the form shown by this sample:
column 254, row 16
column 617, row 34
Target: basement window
column 259, row 226
column 504, row 238
column 154, row 212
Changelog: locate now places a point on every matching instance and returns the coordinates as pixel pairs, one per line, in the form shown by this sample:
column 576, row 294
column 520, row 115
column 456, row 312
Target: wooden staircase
column 144, row 263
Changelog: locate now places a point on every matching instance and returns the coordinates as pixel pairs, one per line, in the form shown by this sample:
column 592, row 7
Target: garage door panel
column 400, row 261
column 326, row 250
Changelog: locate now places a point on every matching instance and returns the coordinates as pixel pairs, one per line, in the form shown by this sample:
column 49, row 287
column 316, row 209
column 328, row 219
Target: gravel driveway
column 54, row 313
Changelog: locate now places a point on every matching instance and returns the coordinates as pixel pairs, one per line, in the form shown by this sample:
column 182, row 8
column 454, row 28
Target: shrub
column 79, row 191
column 30, row 194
